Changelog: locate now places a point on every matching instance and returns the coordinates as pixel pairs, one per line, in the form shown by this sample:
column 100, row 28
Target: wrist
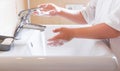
column 59, row 11
column 72, row 33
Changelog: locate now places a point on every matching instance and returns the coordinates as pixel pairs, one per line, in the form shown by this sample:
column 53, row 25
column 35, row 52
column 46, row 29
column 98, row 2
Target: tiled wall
column 54, row 20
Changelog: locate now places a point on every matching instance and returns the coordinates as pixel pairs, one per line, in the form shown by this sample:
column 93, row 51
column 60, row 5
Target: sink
column 31, row 53
column 34, row 43
column 76, row 47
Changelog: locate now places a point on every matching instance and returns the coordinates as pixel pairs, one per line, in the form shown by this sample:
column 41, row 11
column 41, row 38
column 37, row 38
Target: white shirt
column 108, row 12
column 103, row 11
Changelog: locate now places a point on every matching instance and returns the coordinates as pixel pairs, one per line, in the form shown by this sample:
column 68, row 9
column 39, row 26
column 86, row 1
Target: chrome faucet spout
column 25, row 22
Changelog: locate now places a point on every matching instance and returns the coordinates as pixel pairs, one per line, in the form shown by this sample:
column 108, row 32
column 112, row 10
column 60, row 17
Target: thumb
column 52, row 12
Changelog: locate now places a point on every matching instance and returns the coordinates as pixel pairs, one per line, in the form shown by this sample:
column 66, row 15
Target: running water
column 43, row 43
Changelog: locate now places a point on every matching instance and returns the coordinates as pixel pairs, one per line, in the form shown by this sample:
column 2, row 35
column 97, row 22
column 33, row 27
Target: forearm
column 75, row 16
column 100, row 31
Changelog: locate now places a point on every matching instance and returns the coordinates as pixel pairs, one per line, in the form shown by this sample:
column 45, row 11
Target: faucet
column 24, row 21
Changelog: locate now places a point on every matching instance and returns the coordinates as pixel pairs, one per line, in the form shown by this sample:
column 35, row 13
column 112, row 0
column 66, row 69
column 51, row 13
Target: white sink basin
column 32, row 54
column 76, row 47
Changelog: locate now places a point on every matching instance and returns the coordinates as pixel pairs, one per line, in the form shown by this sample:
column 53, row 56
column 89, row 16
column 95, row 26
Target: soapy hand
column 47, row 9
column 64, row 35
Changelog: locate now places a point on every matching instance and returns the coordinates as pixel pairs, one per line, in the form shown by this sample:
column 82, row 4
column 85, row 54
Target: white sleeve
column 89, row 12
column 113, row 20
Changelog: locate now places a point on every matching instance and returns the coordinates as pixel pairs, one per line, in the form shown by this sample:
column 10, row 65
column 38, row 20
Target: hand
column 49, row 8
column 64, row 35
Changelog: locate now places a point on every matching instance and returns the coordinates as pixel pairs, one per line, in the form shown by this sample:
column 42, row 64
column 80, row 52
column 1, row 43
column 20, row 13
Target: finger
column 57, row 30
column 55, row 38
column 56, row 43
column 35, row 13
column 53, row 43
column 42, row 5
column 52, row 13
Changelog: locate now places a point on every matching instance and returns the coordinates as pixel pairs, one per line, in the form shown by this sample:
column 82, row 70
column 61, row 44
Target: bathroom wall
column 9, row 10
column 20, row 5
column 54, row 20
